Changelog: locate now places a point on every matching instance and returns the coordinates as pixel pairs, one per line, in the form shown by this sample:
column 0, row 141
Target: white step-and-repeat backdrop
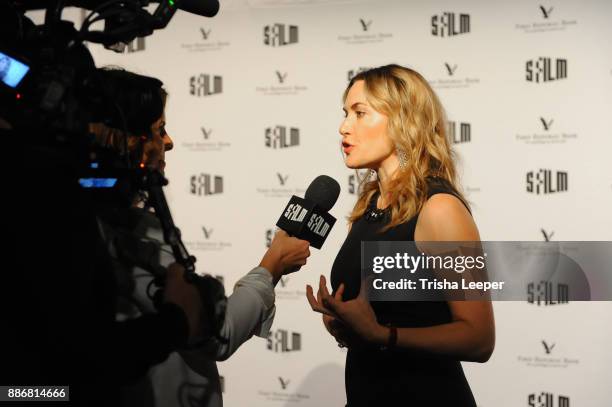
column 254, row 110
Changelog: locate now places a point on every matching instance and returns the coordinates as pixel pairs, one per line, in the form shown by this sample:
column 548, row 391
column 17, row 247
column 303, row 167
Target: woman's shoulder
column 444, row 216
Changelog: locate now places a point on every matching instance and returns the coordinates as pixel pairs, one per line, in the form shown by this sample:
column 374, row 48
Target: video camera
column 51, row 91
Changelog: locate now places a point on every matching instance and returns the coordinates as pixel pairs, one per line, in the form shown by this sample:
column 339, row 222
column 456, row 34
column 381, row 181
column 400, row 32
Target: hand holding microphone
column 285, row 255
column 304, row 222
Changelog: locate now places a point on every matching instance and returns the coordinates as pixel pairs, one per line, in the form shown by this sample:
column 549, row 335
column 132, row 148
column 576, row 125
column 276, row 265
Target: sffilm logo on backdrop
column 545, row 69
column 546, row 181
column 450, row 24
column 282, row 137
column 463, row 136
column 353, row 184
column 545, row 399
column 279, row 35
column 284, row 341
column 354, row 181
column 206, row 184
column 546, row 293
column 136, row 45
column 205, row 85
column 269, row 236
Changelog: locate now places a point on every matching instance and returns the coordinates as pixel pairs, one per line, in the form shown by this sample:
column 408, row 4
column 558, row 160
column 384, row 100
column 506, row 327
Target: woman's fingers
column 323, row 286
column 339, row 292
column 311, row 299
column 314, row 304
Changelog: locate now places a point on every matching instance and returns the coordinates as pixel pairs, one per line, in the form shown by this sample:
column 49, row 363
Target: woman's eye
column 359, row 114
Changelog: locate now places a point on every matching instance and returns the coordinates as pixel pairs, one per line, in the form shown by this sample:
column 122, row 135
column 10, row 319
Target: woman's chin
column 355, row 165
column 352, row 164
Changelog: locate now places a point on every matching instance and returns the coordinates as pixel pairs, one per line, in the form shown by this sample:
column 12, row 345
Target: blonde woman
column 402, row 353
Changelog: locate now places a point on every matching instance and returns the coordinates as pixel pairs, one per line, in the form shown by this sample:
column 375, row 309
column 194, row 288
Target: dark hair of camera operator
column 138, row 106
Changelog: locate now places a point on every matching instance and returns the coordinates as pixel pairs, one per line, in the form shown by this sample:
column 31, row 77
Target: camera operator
column 250, row 308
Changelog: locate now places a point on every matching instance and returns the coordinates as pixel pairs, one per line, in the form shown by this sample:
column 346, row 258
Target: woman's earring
column 402, row 157
column 371, row 175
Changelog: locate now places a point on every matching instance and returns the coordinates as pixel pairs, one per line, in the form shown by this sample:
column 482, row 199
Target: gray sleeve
column 250, row 311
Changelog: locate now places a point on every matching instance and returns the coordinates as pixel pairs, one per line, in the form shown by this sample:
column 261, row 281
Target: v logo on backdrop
column 205, row 33
column 284, row 281
column 451, row 70
column 281, row 76
column 365, row 25
column 206, row 132
column 207, row 232
column 546, row 124
column 283, row 383
column 282, row 179
column 548, row 348
column 546, row 13
column 547, row 236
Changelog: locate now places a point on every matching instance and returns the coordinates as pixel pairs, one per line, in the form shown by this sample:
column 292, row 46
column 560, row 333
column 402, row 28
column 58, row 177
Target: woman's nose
column 344, row 127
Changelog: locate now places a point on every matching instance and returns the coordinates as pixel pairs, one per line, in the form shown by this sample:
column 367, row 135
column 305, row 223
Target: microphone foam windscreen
column 323, row 191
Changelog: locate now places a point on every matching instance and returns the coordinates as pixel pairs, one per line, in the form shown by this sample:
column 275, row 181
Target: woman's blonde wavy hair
column 417, row 125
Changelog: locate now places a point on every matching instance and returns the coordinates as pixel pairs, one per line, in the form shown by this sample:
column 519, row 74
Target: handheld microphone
column 308, row 218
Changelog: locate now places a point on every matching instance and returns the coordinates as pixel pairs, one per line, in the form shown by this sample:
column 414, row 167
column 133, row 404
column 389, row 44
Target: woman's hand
column 350, row 321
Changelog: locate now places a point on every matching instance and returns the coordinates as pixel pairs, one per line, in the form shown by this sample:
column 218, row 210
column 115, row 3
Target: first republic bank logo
column 279, row 35
column 205, row 42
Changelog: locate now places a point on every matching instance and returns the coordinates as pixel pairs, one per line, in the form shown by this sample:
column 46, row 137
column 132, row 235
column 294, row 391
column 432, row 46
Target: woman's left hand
column 356, row 314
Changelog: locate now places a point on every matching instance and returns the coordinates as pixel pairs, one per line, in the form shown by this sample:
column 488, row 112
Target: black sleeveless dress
column 398, row 377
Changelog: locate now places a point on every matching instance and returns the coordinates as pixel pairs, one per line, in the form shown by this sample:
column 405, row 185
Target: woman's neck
column 387, row 170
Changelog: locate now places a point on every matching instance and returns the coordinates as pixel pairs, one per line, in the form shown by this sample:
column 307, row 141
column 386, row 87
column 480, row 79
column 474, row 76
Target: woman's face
column 364, row 132
column 154, row 149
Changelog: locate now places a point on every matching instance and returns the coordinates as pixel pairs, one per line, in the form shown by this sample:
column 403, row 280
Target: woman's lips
column 347, row 147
